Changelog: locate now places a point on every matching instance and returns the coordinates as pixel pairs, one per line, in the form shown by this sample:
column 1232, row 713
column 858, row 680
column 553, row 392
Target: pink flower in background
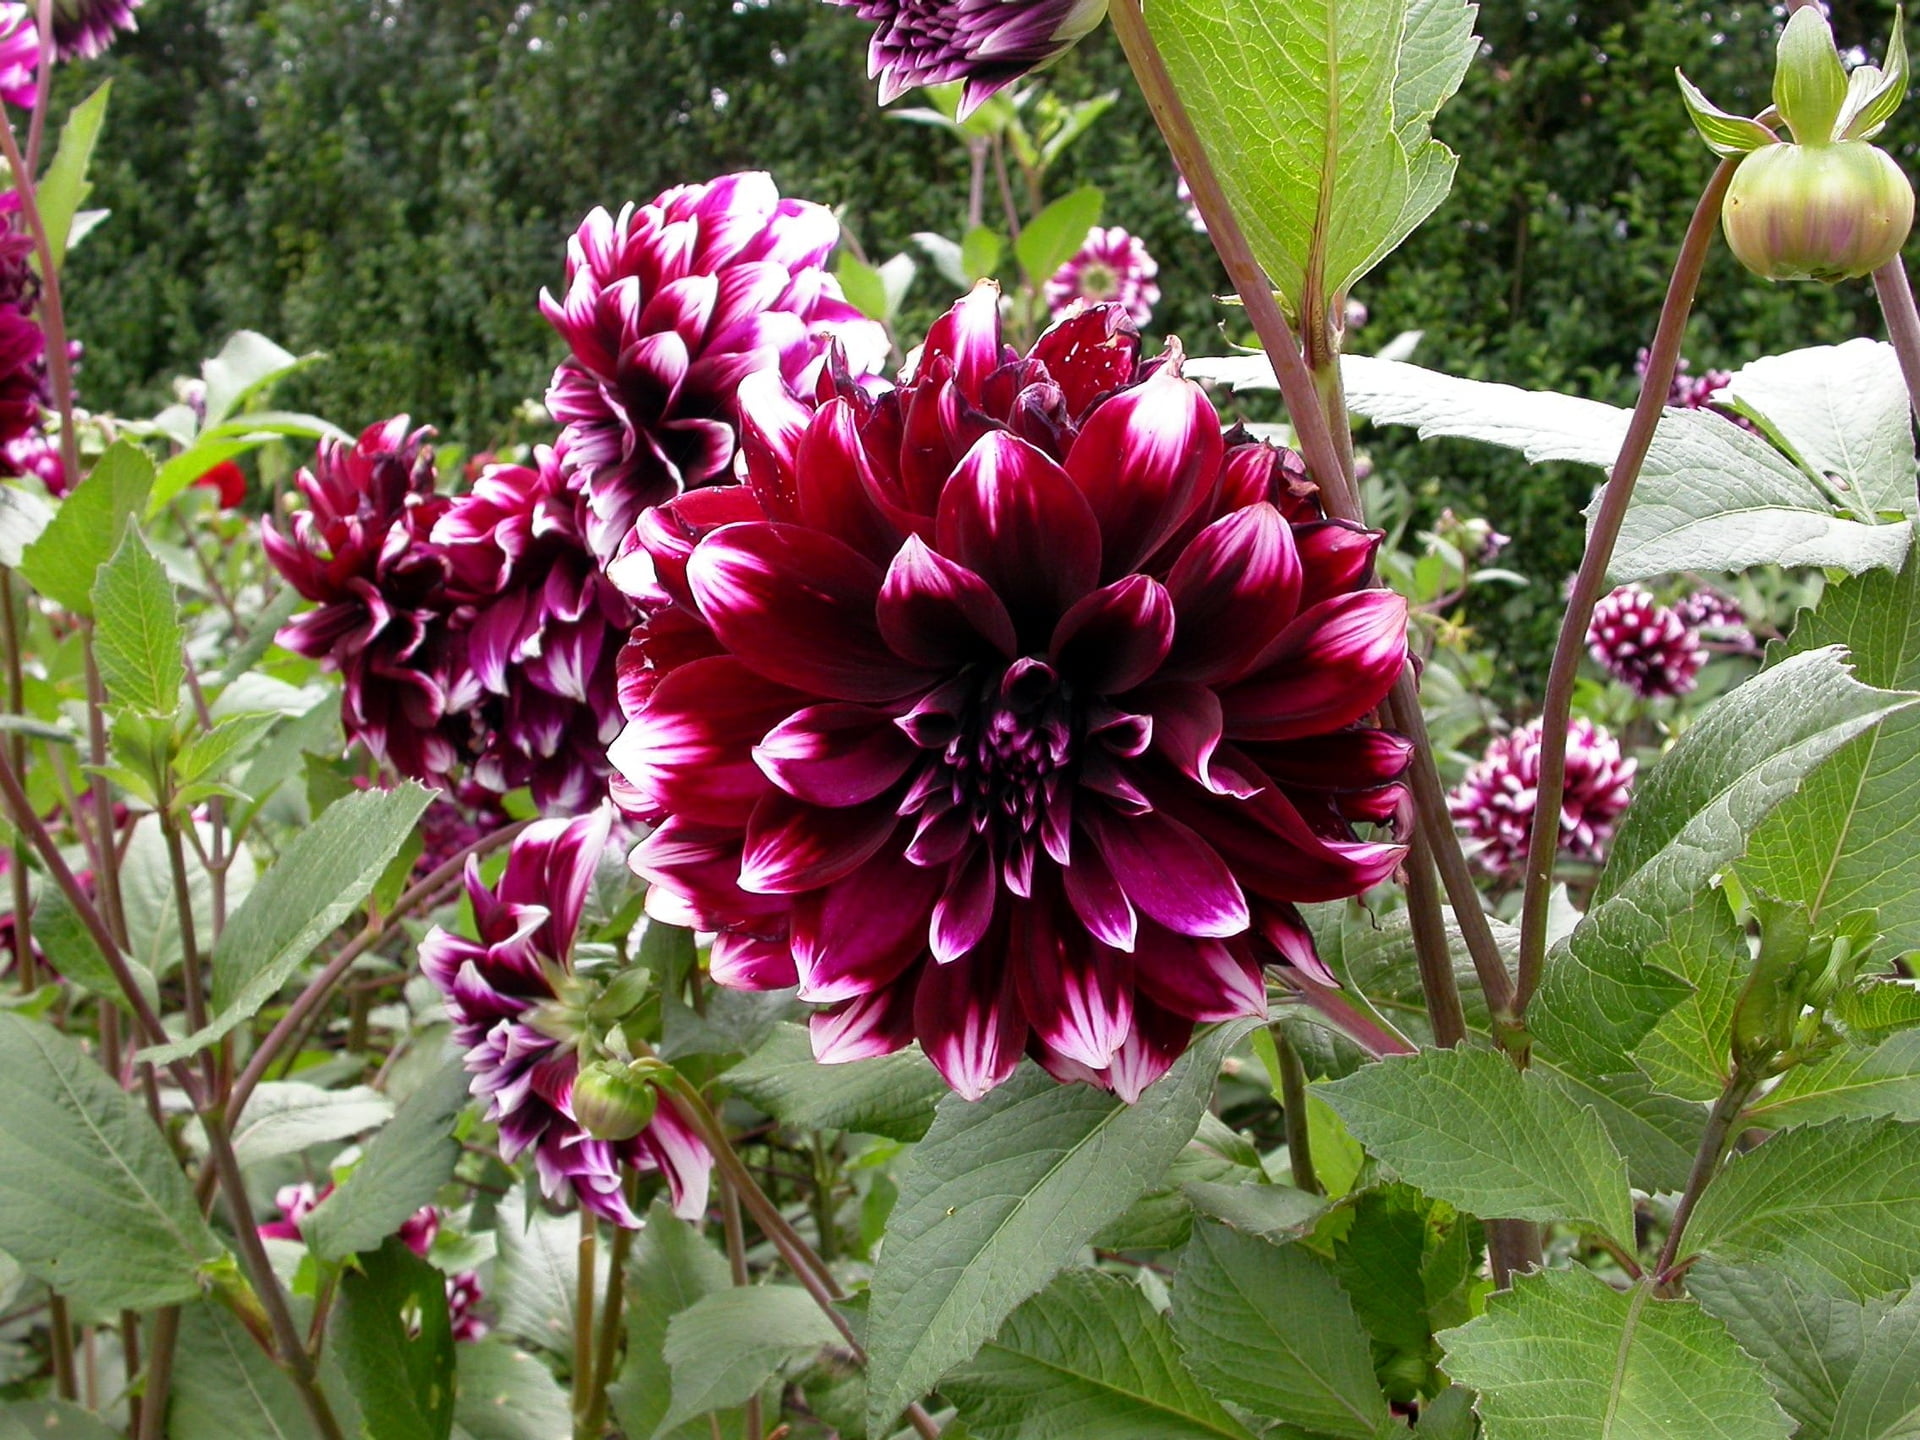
column 666, row 309
column 1183, row 192
column 1112, row 266
column 506, row 996
column 19, row 55
column 1495, row 803
column 1644, row 645
column 1013, row 710
column 986, row 44
column 83, row 29
column 1718, row 619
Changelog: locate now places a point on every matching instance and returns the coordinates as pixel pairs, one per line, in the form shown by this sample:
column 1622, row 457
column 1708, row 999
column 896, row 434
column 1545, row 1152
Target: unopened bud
column 1817, row 212
column 613, row 1101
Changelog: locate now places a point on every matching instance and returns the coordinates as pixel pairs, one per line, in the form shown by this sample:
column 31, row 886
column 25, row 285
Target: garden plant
column 875, row 877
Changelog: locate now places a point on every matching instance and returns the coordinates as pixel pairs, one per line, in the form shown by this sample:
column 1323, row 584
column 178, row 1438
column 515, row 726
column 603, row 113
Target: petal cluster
column 667, row 307
column 19, row 55
column 1111, row 266
column 985, row 45
column 1013, row 710
column 1644, row 645
column 83, row 29
column 24, row 388
column 1495, row 804
column 506, row 994
column 1718, row 619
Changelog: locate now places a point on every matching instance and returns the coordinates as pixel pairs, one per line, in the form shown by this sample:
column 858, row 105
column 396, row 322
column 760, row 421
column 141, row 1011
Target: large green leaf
column 672, row 1268
column 1690, row 1050
column 52, row 1420
column 1056, row 234
column 1565, row 1356
column 91, row 1199
column 892, row 1096
column 1466, row 1127
column 285, row 1117
column 725, row 1346
column 1835, row 1206
column 1086, row 1359
column 226, row 1388
column 1316, row 114
column 63, row 189
column 403, row 1168
column 1268, row 1328
column 1882, row 1398
column 1657, row 1133
column 62, row 563
column 1847, row 841
column 1001, row 1195
column 536, row 1278
column 136, row 629
column 391, row 1334
column 1807, row 1344
column 1859, row 1082
column 506, row 1394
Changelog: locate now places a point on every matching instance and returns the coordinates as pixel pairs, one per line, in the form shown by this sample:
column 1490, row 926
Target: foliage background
column 393, row 181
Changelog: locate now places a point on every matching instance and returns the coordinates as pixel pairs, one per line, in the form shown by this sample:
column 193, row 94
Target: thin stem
column 101, row 794
column 42, row 88
column 1903, row 323
column 1722, row 1127
column 977, row 183
column 583, row 1352
column 52, row 314
column 1430, row 947
column 1663, row 361
column 1370, row 1033
column 1513, row 1248
column 60, row 1344
column 1007, row 206
column 751, row 1427
column 130, row 1355
column 28, row 969
column 153, row 1399
column 190, row 971
column 1293, row 1113
column 607, row 1341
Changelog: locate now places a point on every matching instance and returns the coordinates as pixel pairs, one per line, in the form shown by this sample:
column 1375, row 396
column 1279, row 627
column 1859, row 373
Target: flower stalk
column 1895, row 293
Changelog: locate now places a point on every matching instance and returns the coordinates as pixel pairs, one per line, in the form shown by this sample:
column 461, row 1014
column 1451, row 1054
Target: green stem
column 1903, row 323
column 1722, row 1128
column 1293, row 1113
column 60, row 1346
column 1430, row 949
column 583, row 1351
column 607, row 1341
column 751, row 1426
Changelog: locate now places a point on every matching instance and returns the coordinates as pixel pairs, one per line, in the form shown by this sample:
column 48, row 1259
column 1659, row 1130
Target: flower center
column 1099, row 281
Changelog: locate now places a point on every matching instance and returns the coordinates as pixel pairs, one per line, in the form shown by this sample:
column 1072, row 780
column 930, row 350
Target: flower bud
column 613, row 1101
column 1817, row 212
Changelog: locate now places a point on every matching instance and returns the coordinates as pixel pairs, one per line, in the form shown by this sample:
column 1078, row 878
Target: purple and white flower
column 985, row 45
column 1644, row 645
column 1112, row 266
column 1495, row 804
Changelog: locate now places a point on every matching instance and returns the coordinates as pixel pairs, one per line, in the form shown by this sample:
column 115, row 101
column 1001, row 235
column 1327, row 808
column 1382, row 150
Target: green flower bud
column 1817, row 212
column 613, row 1101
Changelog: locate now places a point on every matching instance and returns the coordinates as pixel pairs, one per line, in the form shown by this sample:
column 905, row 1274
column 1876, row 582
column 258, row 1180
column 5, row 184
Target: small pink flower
column 1718, row 618
column 1495, row 803
column 1113, row 266
column 19, row 55
column 1644, row 645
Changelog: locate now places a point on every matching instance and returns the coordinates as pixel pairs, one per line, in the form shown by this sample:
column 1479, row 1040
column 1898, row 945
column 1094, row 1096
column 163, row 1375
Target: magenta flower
column 1643, row 644
column 986, row 44
column 666, row 309
column 518, row 1012
column 1495, row 803
column 19, row 55
column 1012, row 710
column 1718, row 619
column 1111, row 266
column 83, row 29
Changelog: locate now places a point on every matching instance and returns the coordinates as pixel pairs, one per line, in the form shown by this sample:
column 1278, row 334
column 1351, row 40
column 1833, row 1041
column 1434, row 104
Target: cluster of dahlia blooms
column 666, row 309
column 1718, row 620
column 519, row 1014
column 1111, row 266
column 464, row 1291
column 1494, row 805
column 1012, row 710
column 1644, row 645
column 985, row 45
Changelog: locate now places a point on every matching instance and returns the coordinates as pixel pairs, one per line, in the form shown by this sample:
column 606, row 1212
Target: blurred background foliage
column 393, row 181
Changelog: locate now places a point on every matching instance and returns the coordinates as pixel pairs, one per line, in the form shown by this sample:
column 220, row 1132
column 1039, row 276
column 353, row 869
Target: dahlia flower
column 666, row 308
column 19, row 55
column 1495, row 803
column 517, row 1012
column 1111, row 266
column 1643, row 644
column 1718, row 618
column 1011, row 710
column 82, row 29
column 985, row 44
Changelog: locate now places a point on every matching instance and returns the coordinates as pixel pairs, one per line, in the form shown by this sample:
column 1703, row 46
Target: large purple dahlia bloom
column 515, row 1011
column 666, row 309
column 1644, row 645
column 1013, row 710
column 985, row 44
column 1495, row 803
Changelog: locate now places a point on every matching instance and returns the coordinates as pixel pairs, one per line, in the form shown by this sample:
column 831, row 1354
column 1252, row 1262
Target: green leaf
column 136, row 629
column 1657, row 1133
column 892, row 1096
column 1316, row 115
column 403, row 1168
column 1466, row 1127
column 1055, row 235
column 1689, row 822
column 212, row 753
column 58, row 929
column 52, row 1420
column 1809, row 83
column 1859, row 1082
column 1565, row 1356
column 1689, row 1052
column 1882, row 1398
column 1001, row 1195
column 1835, row 1206
column 248, row 362
column 91, row 1199
column 260, row 639
column 1874, row 92
column 62, row 563
column 24, row 517
column 63, row 189
column 1266, row 1327
column 536, row 1277
column 725, row 1346
column 672, row 1268
column 226, row 1388
column 981, row 251
column 1086, row 1359
column 286, row 1117
column 1270, row 1212
column 1847, row 840
column 1726, row 135
column 392, row 1337
column 1875, row 1009
column 322, row 877
column 861, row 283
column 506, row 1394
column 1808, row 1344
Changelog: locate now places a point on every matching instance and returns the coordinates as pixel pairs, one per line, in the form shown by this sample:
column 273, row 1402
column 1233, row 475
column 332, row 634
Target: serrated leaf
column 1808, row 1345
column 1466, row 1127
column 393, row 1339
column 1564, row 1356
column 1882, row 1398
column 91, row 1199
column 1270, row 1212
column 136, row 629
column 213, row 752
column 1859, row 1082
column 286, row 1117
column 536, row 1278
column 1835, row 1207
column 1658, row 1134
column 1086, row 1359
column 506, row 1394
column 671, row 1269
column 226, row 1388
column 1876, row 1009
column 1001, row 1195
column 725, row 1346
column 403, row 1169
column 63, row 189
column 62, row 563
column 1055, row 235
column 1268, row 1328
column 1689, row 1052
column 892, row 1096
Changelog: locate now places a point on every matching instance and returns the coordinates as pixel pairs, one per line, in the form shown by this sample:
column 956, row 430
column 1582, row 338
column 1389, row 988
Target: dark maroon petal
column 1327, row 669
column 861, row 932
column 1200, row 979
column 968, row 337
column 966, row 907
column 793, row 846
column 969, row 1021
column 866, row 1026
column 746, row 962
column 1142, row 459
column 1281, row 927
column 1096, row 897
column 1158, row 1039
column 1077, row 993
column 1235, row 587
column 690, row 751
column 1274, row 852
column 836, row 485
column 772, row 423
column 798, row 607
column 1013, row 517
column 934, row 611
column 693, row 874
column 1337, row 556
column 1344, row 760
column 1187, row 729
column 1090, row 354
column 1168, row 872
column 1115, row 638
column 835, row 754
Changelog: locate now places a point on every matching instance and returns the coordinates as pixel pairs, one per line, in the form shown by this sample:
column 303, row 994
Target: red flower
column 1013, row 709
column 229, row 480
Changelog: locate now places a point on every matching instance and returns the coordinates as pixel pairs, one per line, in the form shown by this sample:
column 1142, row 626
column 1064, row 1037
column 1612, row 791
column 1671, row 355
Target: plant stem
column 52, row 313
column 190, row 972
column 60, row 1346
column 1293, row 1113
column 583, row 1351
column 130, row 1355
column 42, row 87
column 107, row 877
column 1663, row 361
column 153, row 1399
column 1903, row 323
column 1430, row 947
column 1722, row 1126
column 1371, row 1034
column 607, row 1341
column 751, row 1426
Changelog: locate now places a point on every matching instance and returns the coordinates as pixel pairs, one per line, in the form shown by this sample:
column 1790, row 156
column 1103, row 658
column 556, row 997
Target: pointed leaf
column 1807, row 1344
column 392, row 1336
column 137, row 634
column 62, row 563
column 672, row 1268
column 1875, row 92
column 724, row 1347
column 1726, row 134
column 1055, row 235
column 1882, row 1398
column 63, row 189
column 1809, row 83
column 403, row 1169
column 1856, row 1083
column 892, row 1096
column 506, row 1394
